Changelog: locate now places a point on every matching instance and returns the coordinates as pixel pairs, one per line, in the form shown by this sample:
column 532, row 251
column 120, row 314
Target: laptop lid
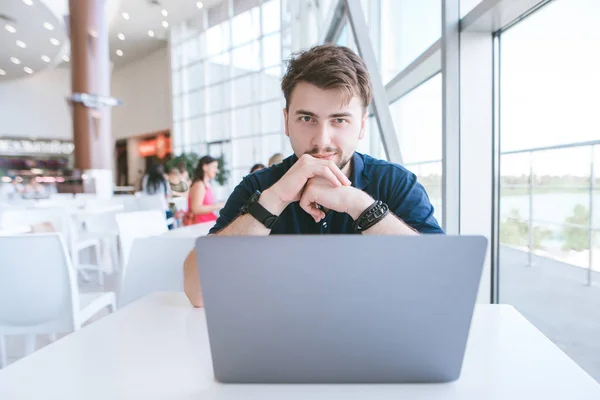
column 339, row 308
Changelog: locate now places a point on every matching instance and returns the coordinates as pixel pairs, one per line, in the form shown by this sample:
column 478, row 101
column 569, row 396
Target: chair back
column 155, row 264
column 138, row 224
column 38, row 285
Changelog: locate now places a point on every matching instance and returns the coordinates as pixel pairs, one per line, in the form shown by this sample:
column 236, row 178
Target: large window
column 408, row 28
column 550, row 181
column 418, row 120
column 226, row 95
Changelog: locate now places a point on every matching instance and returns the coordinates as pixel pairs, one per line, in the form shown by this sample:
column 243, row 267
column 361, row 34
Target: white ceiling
column 144, row 15
column 28, row 21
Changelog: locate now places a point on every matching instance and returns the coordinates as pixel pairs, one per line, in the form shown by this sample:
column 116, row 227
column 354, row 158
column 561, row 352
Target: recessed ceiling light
column 165, row 24
column 54, row 41
column 21, row 44
column 121, row 36
column 2, row 72
column 10, row 28
column 15, row 60
column 151, row 33
column 199, row 4
column 28, row 2
column 66, row 58
column 48, row 26
column 164, row 13
column 28, row 70
column 125, row 16
column 119, row 52
column 46, row 59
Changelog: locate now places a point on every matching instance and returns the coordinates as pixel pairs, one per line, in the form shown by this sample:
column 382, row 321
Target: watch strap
column 261, row 214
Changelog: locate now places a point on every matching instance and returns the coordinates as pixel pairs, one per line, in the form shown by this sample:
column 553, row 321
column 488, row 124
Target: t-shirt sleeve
column 234, row 203
column 409, row 201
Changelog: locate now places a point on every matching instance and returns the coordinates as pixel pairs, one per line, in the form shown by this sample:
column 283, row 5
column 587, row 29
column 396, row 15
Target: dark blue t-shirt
column 382, row 180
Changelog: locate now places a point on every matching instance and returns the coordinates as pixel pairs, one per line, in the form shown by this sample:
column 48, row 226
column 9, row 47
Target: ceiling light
column 54, row 41
column 119, row 52
column 10, row 28
column 164, row 13
column 66, row 58
column 199, row 4
column 125, row 16
column 151, row 33
column 28, row 2
column 15, row 60
column 28, row 70
column 121, row 36
column 2, row 72
column 21, row 44
column 46, row 59
column 48, row 26
column 165, row 24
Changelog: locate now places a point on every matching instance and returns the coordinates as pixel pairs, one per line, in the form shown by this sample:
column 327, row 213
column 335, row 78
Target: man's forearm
column 389, row 225
column 247, row 225
column 191, row 280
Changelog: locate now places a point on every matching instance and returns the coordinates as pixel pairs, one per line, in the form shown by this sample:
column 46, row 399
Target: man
column 325, row 187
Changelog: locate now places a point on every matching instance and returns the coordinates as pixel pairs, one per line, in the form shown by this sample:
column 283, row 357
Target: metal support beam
column 451, row 116
column 417, row 72
column 495, row 15
column 334, row 22
column 380, row 104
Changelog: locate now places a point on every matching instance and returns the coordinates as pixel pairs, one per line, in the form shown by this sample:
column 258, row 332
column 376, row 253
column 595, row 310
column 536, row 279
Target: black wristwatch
column 261, row 214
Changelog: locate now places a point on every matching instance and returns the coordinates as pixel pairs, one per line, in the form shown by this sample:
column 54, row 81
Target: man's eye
column 340, row 120
column 306, row 118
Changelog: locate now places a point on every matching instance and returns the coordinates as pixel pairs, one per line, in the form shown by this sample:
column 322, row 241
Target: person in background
column 34, row 187
column 185, row 175
column 155, row 183
column 179, row 188
column 201, row 199
column 257, row 167
column 276, row 158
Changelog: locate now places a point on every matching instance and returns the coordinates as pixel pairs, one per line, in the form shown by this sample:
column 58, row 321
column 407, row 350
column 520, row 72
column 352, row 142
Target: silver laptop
column 339, row 308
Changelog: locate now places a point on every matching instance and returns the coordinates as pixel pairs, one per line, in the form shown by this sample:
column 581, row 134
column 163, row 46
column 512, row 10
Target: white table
column 157, row 348
column 194, row 231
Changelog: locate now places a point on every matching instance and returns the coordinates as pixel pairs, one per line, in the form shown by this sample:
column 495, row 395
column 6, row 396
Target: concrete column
column 90, row 74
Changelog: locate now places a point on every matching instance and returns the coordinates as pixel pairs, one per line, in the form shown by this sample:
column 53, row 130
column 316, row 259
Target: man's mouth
column 324, row 156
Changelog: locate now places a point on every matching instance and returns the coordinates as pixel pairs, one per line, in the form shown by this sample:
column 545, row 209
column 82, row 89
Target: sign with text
column 26, row 147
column 159, row 147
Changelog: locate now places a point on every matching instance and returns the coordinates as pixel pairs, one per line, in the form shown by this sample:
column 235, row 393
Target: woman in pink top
column 201, row 200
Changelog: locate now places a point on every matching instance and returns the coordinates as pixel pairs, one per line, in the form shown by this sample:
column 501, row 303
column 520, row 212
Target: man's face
column 174, row 176
column 320, row 124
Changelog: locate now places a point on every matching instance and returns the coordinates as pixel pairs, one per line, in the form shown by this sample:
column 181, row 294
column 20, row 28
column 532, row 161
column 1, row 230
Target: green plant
column 189, row 159
column 223, row 175
column 577, row 238
column 515, row 231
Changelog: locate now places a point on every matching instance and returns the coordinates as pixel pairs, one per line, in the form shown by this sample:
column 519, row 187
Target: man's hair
column 328, row 67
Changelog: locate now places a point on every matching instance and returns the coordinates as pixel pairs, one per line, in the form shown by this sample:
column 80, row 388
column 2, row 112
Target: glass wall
column 550, row 187
column 226, row 83
column 418, row 121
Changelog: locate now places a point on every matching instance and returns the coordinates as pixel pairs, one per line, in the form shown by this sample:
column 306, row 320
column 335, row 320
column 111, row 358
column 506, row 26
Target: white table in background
column 157, row 348
column 14, row 231
column 195, row 230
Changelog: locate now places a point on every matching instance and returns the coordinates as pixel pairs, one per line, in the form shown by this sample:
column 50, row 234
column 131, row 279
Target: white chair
column 155, row 264
column 61, row 222
column 129, row 202
column 38, row 290
column 138, row 224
